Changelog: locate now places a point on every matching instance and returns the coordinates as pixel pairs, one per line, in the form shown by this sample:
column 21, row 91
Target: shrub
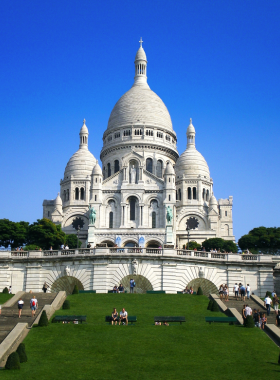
column 66, row 305
column 5, row 290
column 21, row 353
column 268, row 294
column 199, row 292
column 249, row 322
column 43, row 319
column 13, row 361
column 75, row 290
column 210, row 304
column 215, row 306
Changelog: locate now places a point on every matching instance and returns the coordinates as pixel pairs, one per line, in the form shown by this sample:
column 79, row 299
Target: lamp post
column 78, row 229
column 188, row 232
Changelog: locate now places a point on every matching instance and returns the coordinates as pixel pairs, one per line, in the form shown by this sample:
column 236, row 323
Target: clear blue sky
column 215, row 61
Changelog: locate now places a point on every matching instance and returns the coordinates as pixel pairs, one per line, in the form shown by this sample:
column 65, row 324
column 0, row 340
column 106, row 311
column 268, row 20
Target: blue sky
column 215, row 61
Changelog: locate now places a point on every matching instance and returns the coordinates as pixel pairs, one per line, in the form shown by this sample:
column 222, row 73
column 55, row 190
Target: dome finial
column 190, row 121
column 141, row 41
column 84, row 121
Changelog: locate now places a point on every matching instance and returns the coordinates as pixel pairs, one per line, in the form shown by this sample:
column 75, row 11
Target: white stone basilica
column 142, row 177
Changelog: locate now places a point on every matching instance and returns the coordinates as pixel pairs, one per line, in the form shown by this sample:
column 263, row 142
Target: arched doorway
column 66, row 283
column 153, row 244
column 142, row 283
column 108, row 242
column 206, row 286
column 130, row 244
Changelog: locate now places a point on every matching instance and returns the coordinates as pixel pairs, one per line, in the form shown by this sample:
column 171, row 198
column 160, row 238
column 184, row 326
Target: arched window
column 95, row 180
column 132, row 206
column 159, row 169
column 67, row 195
column 116, row 166
column 207, row 195
column 82, row 197
column 76, row 193
column 95, row 198
column 109, row 169
column 180, row 195
column 194, row 192
column 189, row 193
column 64, row 195
column 176, row 195
column 111, row 219
column 203, row 194
column 154, row 219
column 149, row 165
column 169, row 197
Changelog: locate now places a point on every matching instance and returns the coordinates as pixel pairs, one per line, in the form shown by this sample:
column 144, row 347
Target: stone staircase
column 9, row 317
column 238, row 304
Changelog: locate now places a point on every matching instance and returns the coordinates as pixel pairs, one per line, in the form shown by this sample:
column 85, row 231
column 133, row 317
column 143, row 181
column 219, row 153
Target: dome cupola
column 140, row 66
column 190, row 136
column 84, row 136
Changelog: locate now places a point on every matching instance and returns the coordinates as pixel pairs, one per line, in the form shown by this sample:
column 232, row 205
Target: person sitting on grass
column 186, row 290
column 121, row 288
column 115, row 289
column 115, row 315
column 123, row 317
column 191, row 290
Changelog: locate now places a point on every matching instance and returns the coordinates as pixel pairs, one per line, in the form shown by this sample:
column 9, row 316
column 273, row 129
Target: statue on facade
column 169, row 214
column 92, row 215
column 134, row 265
column 133, row 174
column 67, row 270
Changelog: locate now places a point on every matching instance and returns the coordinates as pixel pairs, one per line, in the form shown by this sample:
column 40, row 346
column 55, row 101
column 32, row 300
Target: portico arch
column 108, row 242
column 66, row 283
column 142, row 283
column 207, row 286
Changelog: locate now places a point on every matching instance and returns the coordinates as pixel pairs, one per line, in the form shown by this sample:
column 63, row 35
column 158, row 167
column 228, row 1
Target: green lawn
column 5, row 297
column 193, row 350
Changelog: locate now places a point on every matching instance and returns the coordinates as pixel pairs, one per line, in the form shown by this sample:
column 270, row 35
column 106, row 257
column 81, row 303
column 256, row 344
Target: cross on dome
column 84, row 121
column 141, row 41
column 190, row 120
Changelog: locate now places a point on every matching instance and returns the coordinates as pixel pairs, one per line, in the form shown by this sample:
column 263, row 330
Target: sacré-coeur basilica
column 142, row 176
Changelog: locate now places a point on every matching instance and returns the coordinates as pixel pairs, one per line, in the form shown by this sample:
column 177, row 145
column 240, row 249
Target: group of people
column 242, row 290
column 224, row 292
column 33, row 306
column 122, row 318
column 188, row 291
column 118, row 289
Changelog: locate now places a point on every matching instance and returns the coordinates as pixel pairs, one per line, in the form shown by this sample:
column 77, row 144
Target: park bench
column 170, row 319
column 155, row 291
column 230, row 320
column 69, row 318
column 131, row 318
column 87, row 291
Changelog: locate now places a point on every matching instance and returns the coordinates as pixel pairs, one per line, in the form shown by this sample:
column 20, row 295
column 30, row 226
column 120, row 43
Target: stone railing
column 138, row 251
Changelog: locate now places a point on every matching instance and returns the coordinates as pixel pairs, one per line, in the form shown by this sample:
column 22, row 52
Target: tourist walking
column 226, row 292
column 278, row 319
column 275, row 302
column 33, row 306
column 132, row 285
column 256, row 317
column 267, row 303
column 263, row 321
column 10, row 289
column 221, row 292
column 236, row 290
column 45, row 287
column 20, row 306
column 248, row 311
column 248, row 290
column 242, row 292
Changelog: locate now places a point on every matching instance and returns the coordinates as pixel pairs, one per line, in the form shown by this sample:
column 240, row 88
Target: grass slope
column 194, row 350
column 5, row 297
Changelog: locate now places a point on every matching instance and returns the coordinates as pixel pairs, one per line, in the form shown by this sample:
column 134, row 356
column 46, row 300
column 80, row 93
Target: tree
column 43, row 321
column 199, row 292
column 71, row 241
column 21, row 353
column 46, row 234
column 75, row 290
column 13, row 233
column 218, row 243
column 262, row 240
column 13, row 361
column 193, row 245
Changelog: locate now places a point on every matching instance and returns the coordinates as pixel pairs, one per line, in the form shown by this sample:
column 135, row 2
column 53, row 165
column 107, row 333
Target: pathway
column 9, row 317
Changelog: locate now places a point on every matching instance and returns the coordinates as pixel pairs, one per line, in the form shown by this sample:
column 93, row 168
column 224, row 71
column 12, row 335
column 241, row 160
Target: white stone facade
column 142, row 174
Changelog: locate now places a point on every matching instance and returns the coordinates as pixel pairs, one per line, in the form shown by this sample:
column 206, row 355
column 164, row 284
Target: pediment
column 213, row 212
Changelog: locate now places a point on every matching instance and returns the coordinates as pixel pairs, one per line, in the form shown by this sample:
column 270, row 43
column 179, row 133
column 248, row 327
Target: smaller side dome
column 169, row 169
column 97, row 170
column 58, row 200
column 213, row 201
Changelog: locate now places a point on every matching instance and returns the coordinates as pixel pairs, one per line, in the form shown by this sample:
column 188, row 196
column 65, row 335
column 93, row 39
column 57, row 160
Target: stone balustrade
column 156, row 252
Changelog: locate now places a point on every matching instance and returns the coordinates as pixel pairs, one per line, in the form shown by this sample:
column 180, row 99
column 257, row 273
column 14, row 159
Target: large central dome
column 140, row 104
